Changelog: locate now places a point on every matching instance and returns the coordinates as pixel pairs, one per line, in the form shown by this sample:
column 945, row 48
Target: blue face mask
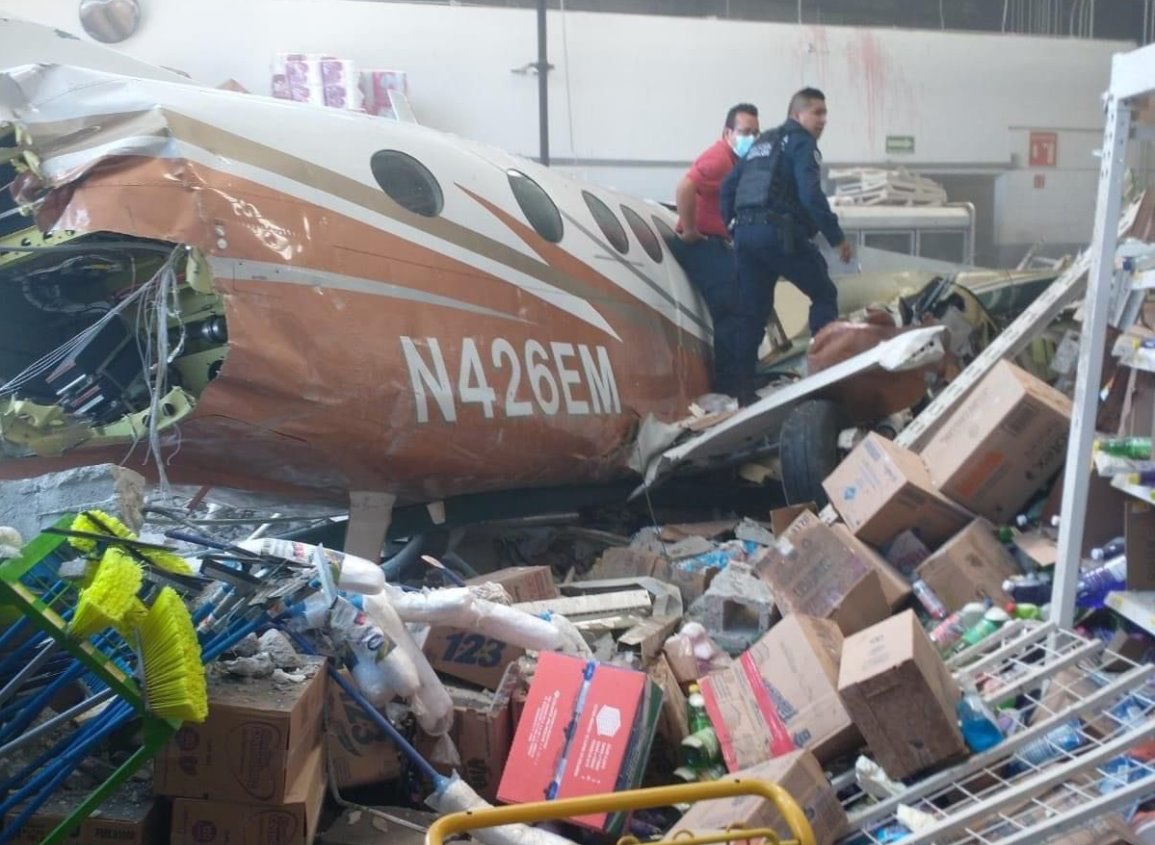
column 742, row 145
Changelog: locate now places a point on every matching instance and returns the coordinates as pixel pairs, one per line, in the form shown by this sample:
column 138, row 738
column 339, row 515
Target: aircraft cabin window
column 407, row 182
column 664, row 229
column 608, row 222
column 538, row 208
column 644, row 234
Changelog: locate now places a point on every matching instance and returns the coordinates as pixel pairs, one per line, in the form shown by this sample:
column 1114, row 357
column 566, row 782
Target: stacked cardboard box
column 254, row 771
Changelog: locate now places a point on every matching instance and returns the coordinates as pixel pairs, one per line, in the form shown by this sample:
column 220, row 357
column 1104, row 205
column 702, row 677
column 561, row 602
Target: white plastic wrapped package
column 457, row 796
column 431, row 703
column 458, row 606
column 357, row 575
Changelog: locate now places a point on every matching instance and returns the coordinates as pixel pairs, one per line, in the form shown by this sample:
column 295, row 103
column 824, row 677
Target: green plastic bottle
column 994, row 619
column 701, row 749
column 1135, row 448
column 696, row 703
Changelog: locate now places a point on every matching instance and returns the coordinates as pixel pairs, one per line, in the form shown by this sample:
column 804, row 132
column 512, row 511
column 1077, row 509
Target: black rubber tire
column 808, row 450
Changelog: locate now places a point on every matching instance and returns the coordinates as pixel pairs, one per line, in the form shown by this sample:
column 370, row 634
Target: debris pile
column 886, row 661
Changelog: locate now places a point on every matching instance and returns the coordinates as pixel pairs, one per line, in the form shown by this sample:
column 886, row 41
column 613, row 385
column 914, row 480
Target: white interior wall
column 646, row 94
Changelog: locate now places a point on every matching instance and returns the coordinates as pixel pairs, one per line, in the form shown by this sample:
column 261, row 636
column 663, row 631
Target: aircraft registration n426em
column 540, row 378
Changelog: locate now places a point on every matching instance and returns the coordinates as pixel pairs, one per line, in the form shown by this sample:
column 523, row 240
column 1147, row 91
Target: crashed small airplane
column 283, row 298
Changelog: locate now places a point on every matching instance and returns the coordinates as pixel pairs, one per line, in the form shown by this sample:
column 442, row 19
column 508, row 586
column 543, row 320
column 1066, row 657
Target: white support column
column 370, row 514
column 1098, row 306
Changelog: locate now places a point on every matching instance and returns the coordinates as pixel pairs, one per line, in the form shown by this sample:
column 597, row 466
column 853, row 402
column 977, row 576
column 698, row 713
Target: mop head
column 456, row 796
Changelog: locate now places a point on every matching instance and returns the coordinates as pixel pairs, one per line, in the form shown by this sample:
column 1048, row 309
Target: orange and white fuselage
column 371, row 347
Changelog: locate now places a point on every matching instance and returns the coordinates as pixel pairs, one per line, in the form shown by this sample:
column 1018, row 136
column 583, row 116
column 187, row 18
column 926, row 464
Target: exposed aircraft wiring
column 54, row 358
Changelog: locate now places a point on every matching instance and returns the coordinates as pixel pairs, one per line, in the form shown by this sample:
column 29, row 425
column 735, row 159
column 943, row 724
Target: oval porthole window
column 407, row 182
column 643, row 233
column 667, row 234
column 608, row 222
column 538, row 208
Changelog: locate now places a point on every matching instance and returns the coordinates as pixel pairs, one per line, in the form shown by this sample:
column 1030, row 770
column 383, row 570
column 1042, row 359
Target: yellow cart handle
column 638, row 799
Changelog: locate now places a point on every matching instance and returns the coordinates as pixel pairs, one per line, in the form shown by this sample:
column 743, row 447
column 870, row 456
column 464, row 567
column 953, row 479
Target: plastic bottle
column 979, row 726
column 1061, row 740
column 1032, row 589
column 1134, row 448
column 1113, row 549
column 992, row 620
column 948, row 632
column 929, row 599
column 1096, row 583
column 701, row 749
column 699, row 719
column 1024, row 610
column 685, row 774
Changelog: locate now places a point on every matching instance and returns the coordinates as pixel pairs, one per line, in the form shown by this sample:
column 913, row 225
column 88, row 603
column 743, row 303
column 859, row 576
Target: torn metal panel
column 752, row 427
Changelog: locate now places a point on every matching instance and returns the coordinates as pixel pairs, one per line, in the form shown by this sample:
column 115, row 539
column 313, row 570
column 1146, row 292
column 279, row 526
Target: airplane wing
column 752, row 428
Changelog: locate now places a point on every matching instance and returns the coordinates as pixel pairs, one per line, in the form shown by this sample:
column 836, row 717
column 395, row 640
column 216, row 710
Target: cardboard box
column 1006, row 439
column 469, row 656
column 969, row 568
column 823, row 577
column 523, row 583
column 360, row 753
column 627, row 562
column 586, row 730
column 906, row 552
column 895, row 585
column 124, row 819
column 801, row 776
column 253, row 745
column 782, row 694
column 293, row 822
column 882, row 489
column 901, row 696
column 482, row 732
column 673, row 721
column 782, row 518
column 1139, row 534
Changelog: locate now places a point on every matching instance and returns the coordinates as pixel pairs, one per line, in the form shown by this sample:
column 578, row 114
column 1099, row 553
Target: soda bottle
column 696, row 703
column 946, row 634
column 929, row 600
column 1023, row 610
column 701, row 749
column 1133, row 448
column 1096, row 583
column 685, row 774
column 992, row 620
column 1114, row 548
column 1033, row 589
column 978, row 724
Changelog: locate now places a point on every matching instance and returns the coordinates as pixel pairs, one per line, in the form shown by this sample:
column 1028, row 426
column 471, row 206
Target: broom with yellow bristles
column 112, row 529
column 174, row 677
column 110, row 598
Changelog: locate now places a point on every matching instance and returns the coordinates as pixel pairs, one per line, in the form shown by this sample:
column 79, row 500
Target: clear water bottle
column 1096, row 583
column 979, row 727
column 1061, row 740
column 929, row 599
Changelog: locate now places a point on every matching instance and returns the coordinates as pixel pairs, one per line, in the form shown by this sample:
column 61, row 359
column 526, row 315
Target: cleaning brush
column 107, row 601
column 174, row 677
column 99, row 522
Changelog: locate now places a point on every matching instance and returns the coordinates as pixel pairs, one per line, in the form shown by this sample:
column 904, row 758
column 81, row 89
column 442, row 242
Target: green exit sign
column 900, row 144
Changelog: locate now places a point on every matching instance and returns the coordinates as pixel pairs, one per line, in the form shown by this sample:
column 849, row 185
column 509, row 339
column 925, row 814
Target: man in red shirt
column 703, row 246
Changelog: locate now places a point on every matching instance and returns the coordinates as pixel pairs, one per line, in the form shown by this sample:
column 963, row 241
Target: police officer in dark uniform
column 775, row 202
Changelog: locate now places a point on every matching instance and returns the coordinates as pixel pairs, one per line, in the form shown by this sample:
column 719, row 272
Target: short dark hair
column 741, row 108
column 802, row 99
